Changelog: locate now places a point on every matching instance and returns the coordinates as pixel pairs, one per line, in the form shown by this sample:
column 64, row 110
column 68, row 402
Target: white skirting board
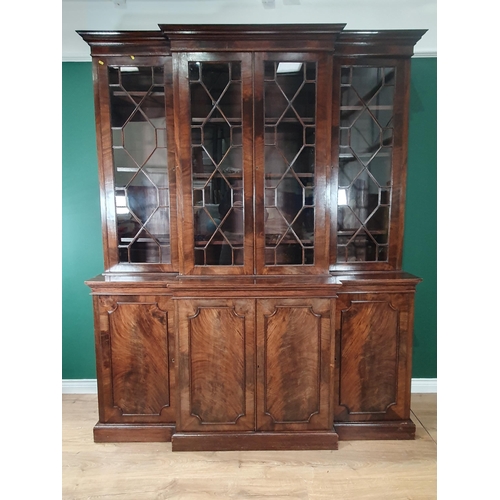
column 89, row 386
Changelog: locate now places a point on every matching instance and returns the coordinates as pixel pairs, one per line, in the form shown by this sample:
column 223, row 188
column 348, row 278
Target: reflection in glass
column 365, row 163
column 289, row 161
column 217, row 163
column 139, row 141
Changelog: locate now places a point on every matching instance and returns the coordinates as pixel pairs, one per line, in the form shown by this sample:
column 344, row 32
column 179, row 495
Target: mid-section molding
column 89, row 386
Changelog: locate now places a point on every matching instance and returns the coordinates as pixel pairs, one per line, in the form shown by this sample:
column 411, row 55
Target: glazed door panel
column 294, row 364
column 215, row 123
column 134, row 342
column 292, row 156
column 216, row 365
column 374, row 356
column 136, row 148
column 371, row 153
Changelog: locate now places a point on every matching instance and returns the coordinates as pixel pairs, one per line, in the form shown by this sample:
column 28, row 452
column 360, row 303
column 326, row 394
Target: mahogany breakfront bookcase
column 252, row 191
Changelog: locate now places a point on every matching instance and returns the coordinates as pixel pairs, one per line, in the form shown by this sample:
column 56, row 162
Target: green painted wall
column 81, row 233
column 82, row 247
column 420, row 242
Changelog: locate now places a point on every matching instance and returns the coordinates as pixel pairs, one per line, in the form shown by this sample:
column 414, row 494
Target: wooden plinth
column 254, row 441
column 186, row 441
column 404, row 429
column 129, row 433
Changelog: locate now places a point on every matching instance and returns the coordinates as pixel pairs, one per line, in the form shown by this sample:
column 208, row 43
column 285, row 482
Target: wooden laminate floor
column 384, row 470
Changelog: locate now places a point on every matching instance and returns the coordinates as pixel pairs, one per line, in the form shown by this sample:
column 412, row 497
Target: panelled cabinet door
column 216, row 365
column 374, row 340
column 134, row 344
column 294, row 364
column 214, row 110
column 292, row 153
column 136, row 149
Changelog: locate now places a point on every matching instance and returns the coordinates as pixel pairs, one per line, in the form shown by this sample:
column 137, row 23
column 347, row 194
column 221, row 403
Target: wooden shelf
column 236, row 122
column 273, row 121
column 271, row 175
column 351, row 232
column 232, row 175
column 157, row 239
column 380, row 107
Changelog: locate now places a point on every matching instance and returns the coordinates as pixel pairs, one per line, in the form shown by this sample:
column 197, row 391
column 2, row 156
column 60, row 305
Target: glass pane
column 365, row 163
column 289, row 162
column 217, row 163
column 139, row 141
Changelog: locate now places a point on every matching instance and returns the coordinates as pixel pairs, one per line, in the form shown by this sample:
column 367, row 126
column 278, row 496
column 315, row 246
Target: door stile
column 183, row 169
column 259, row 205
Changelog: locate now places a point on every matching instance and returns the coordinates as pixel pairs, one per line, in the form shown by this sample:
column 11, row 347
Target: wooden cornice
column 236, row 37
column 251, row 37
column 378, row 43
column 118, row 43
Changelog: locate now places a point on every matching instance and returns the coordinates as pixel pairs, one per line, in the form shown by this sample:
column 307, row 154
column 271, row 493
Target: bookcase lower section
column 254, row 365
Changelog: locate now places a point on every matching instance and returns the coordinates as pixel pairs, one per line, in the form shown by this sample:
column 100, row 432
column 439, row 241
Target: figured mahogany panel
column 293, row 363
column 216, row 343
column 372, row 356
column 134, row 362
column 368, row 383
column 217, row 346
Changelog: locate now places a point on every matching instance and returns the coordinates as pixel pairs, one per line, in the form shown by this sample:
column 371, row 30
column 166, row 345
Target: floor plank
column 424, row 408
column 385, row 470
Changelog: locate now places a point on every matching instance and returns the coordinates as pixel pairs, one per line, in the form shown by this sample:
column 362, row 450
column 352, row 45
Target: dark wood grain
column 134, row 347
column 118, row 43
column 217, row 362
column 216, row 365
column 400, row 159
column 139, row 353
column 368, row 357
column 133, row 433
column 353, row 431
column 374, row 338
column 398, row 43
column 255, row 441
column 237, row 37
column 294, row 364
